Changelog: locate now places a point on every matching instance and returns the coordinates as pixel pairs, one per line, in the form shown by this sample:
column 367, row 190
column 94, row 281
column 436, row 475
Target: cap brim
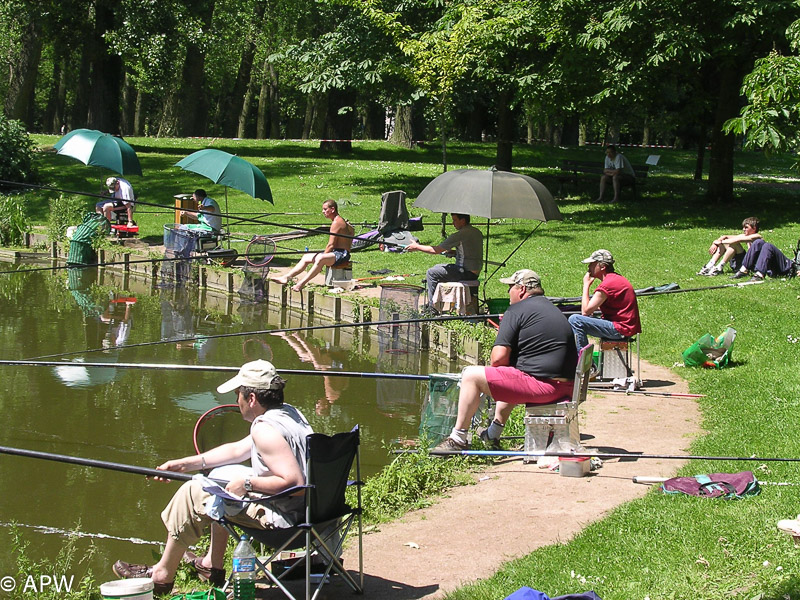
column 229, row 385
column 506, row 280
column 588, row 260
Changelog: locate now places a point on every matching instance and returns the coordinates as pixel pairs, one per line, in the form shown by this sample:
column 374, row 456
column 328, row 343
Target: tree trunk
column 316, row 113
column 583, row 133
column 80, row 108
column 701, row 152
column 168, row 125
column 247, row 102
column 23, row 71
column 138, row 125
column 374, row 120
column 54, row 114
column 274, row 104
column 506, row 132
column 402, row 135
column 720, row 170
column 106, row 73
column 193, row 103
column 339, row 126
column 128, row 106
column 262, row 122
column 233, row 104
column 646, row 132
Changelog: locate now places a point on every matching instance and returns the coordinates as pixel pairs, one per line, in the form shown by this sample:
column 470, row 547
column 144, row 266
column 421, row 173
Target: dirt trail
column 414, row 558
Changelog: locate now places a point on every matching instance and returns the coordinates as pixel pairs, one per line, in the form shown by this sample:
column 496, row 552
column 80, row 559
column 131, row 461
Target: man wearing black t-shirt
column 533, row 361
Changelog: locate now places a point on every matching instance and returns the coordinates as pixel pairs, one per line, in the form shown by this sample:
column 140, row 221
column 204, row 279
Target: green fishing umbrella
column 99, row 149
column 228, row 170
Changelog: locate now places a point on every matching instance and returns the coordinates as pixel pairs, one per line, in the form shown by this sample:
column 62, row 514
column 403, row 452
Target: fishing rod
column 646, row 393
column 656, row 292
column 602, row 456
column 100, row 464
column 204, row 256
column 285, row 330
column 220, row 214
column 210, row 368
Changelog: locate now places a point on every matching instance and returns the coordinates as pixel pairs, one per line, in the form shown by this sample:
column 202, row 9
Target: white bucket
column 138, row 588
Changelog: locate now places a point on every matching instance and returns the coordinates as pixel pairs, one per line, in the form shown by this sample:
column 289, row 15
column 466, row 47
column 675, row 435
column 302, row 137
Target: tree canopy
column 644, row 71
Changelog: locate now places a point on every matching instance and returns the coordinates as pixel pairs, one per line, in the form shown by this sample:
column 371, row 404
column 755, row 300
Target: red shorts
column 508, row 384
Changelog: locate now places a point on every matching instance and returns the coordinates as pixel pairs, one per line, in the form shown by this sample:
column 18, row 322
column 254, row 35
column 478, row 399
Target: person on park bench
column 533, row 361
column 276, row 449
column 337, row 251
column 614, row 297
column 616, row 169
column 729, row 249
column 468, row 244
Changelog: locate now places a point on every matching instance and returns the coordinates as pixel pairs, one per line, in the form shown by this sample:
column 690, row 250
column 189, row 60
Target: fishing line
column 209, row 368
column 602, row 456
column 221, row 214
column 81, row 534
column 272, row 331
column 203, row 256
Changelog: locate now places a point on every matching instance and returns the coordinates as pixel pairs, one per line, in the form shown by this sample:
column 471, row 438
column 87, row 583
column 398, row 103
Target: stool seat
column 340, row 275
column 456, row 295
column 617, row 358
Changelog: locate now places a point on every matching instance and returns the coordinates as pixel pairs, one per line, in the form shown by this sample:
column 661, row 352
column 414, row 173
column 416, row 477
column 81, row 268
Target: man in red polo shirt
column 614, row 297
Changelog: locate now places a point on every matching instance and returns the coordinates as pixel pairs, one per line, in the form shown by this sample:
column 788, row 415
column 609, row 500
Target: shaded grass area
column 656, row 547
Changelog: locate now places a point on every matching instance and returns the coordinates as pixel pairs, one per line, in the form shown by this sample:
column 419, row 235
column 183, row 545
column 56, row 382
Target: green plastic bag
column 711, row 352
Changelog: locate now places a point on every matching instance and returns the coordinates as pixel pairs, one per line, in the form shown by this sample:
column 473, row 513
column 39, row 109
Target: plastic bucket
column 138, row 588
column 574, row 467
column 497, row 305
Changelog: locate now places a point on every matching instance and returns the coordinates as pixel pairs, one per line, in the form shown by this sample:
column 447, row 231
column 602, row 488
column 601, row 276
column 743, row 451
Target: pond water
column 144, row 416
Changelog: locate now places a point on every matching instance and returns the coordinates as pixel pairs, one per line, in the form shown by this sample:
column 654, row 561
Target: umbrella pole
column 227, row 218
column 503, row 264
column 486, row 259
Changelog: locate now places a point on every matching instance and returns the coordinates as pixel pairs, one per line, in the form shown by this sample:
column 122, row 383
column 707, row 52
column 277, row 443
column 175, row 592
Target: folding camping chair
column 329, row 460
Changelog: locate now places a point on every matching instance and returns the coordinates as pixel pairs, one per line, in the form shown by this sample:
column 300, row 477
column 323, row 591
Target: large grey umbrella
column 489, row 193
column 492, row 194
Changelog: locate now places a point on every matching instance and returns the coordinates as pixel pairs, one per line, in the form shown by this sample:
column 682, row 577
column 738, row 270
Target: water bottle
column 244, row 571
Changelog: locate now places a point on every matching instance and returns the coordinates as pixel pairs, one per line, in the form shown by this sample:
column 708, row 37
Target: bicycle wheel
column 260, row 251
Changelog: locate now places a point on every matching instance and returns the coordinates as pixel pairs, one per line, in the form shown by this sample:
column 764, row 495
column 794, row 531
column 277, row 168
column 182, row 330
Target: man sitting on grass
column 533, row 361
column 763, row 258
column 728, row 248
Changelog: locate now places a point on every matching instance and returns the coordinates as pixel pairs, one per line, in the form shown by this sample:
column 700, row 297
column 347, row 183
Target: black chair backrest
column 330, row 461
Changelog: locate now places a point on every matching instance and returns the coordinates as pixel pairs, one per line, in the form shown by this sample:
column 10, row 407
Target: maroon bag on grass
column 714, row 485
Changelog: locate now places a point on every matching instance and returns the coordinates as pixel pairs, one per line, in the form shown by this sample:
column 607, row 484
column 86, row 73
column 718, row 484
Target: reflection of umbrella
column 228, row 170
column 99, row 149
column 492, row 194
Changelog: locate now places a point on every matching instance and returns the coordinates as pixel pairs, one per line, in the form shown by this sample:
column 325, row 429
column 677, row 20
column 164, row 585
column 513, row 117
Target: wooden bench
column 573, row 171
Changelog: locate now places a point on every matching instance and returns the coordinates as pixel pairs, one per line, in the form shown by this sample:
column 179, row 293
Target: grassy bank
column 657, row 547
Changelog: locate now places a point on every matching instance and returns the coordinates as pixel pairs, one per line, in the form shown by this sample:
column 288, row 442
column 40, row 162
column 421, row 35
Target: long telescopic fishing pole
column 145, row 260
column 209, row 368
column 603, row 455
column 273, row 331
column 100, row 464
column 644, row 294
column 237, row 218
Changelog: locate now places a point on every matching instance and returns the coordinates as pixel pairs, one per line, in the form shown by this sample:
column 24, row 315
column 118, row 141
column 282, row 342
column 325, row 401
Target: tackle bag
column 714, row 485
column 711, row 352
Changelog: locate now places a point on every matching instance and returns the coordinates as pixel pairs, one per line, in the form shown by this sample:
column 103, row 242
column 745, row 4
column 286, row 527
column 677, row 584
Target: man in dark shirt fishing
column 533, row 361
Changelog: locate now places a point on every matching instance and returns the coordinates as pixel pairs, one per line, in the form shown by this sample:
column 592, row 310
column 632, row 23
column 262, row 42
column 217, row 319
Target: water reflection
column 144, row 416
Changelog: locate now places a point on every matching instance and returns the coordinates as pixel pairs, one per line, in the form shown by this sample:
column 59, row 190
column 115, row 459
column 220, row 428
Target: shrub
column 16, row 152
column 13, row 221
column 64, row 211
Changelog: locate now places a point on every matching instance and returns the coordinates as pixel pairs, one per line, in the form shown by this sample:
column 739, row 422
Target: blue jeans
column 583, row 327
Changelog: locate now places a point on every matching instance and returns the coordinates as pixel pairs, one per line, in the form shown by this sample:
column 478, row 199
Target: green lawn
column 657, row 547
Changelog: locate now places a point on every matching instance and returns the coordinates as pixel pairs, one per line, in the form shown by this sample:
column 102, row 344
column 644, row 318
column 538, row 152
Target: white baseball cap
column 259, row 374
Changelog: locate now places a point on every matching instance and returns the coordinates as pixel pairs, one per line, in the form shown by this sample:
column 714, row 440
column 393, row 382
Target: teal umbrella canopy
column 99, row 149
column 228, row 170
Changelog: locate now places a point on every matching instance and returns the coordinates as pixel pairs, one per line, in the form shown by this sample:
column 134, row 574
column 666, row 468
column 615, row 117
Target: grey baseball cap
column 524, row 277
column 603, row 256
